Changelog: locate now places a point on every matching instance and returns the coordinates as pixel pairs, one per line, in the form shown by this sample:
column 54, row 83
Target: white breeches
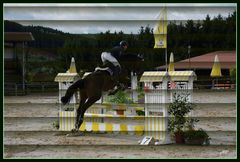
column 105, row 56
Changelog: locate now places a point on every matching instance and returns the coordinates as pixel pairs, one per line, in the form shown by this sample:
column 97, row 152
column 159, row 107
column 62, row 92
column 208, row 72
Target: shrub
column 196, row 137
column 178, row 110
column 121, row 97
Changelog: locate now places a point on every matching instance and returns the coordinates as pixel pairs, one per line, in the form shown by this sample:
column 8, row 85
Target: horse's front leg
column 113, row 92
column 79, row 111
column 121, row 87
column 82, row 102
column 75, row 131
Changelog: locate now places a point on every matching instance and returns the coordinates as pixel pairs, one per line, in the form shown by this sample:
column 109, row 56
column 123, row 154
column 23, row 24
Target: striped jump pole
column 110, row 124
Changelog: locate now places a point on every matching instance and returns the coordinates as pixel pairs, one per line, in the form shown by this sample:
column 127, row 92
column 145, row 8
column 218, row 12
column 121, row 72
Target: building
column 14, row 59
column 202, row 65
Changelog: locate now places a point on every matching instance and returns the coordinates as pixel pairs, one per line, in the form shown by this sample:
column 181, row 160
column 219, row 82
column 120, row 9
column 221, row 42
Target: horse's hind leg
column 82, row 110
column 71, row 90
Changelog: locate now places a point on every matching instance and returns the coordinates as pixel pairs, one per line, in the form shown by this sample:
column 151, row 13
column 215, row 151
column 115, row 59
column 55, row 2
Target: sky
column 83, row 18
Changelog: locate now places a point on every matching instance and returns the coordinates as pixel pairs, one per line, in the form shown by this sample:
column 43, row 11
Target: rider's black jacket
column 116, row 52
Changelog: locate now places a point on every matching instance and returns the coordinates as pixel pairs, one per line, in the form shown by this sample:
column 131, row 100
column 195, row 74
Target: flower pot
column 196, row 141
column 120, row 112
column 179, row 138
column 119, row 108
column 146, row 89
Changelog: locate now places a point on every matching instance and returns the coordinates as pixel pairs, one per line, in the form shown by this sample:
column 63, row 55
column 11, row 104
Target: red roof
column 227, row 60
column 18, row 36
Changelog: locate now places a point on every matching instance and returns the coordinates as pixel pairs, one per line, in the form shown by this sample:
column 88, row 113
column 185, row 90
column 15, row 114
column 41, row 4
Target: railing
column 17, row 89
column 225, row 84
column 43, row 87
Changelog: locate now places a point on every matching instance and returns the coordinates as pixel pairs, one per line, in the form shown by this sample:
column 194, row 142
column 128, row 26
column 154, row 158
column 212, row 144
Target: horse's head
column 132, row 62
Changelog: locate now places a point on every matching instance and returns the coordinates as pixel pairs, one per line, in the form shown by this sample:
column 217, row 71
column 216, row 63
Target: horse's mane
column 130, row 57
column 131, row 62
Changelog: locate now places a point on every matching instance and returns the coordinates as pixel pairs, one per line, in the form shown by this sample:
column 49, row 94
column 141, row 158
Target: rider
column 113, row 55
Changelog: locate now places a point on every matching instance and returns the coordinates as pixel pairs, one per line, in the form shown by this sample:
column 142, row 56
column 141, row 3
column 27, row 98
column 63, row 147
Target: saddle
column 113, row 71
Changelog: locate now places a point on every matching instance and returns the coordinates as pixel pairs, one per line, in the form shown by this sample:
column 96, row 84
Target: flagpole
column 166, row 58
column 165, row 21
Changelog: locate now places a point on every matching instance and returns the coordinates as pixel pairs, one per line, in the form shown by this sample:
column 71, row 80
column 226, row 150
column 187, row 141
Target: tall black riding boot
column 116, row 74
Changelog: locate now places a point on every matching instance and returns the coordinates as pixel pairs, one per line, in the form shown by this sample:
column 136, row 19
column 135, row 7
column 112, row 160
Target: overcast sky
column 95, row 18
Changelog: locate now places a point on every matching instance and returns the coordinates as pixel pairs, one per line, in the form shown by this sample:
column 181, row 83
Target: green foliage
column 55, row 124
column 190, row 123
column 121, row 98
column 233, row 74
column 140, row 113
column 140, row 92
column 178, row 110
column 191, row 136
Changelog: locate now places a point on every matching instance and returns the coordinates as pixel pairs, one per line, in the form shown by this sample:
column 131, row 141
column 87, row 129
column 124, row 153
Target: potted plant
column 178, row 110
column 196, row 137
column 120, row 100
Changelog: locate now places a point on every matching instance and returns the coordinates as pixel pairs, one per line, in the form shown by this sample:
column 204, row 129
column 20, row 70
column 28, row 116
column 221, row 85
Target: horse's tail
column 79, row 84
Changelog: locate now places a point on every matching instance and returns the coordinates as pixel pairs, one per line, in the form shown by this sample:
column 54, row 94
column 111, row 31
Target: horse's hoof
column 64, row 100
column 74, row 130
column 75, row 134
column 59, row 134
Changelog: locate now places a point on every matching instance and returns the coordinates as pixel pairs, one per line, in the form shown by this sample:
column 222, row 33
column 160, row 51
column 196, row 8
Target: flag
column 216, row 69
column 171, row 63
column 172, row 85
column 160, row 30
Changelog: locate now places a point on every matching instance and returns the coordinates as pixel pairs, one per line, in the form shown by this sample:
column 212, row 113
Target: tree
column 204, row 36
column 207, row 24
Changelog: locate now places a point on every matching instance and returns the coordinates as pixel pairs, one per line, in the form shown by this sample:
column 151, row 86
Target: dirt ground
column 121, row 151
column 29, row 132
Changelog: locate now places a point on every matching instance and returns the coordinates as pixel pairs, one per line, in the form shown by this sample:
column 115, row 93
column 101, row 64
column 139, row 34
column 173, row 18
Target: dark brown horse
column 92, row 86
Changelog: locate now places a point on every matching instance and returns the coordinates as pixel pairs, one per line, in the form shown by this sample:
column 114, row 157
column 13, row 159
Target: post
column 42, row 87
column 166, row 58
column 189, row 63
column 134, row 87
column 23, row 68
column 15, row 89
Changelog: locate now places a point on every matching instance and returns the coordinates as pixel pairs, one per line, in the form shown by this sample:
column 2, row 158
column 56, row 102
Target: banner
column 160, row 30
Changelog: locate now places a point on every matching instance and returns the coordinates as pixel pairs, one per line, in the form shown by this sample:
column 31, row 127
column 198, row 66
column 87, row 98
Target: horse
column 93, row 85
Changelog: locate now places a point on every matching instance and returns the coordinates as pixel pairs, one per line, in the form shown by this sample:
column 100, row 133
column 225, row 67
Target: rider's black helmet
column 123, row 43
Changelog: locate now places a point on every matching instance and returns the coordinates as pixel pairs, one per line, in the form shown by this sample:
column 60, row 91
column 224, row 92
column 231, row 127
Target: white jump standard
column 159, row 88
